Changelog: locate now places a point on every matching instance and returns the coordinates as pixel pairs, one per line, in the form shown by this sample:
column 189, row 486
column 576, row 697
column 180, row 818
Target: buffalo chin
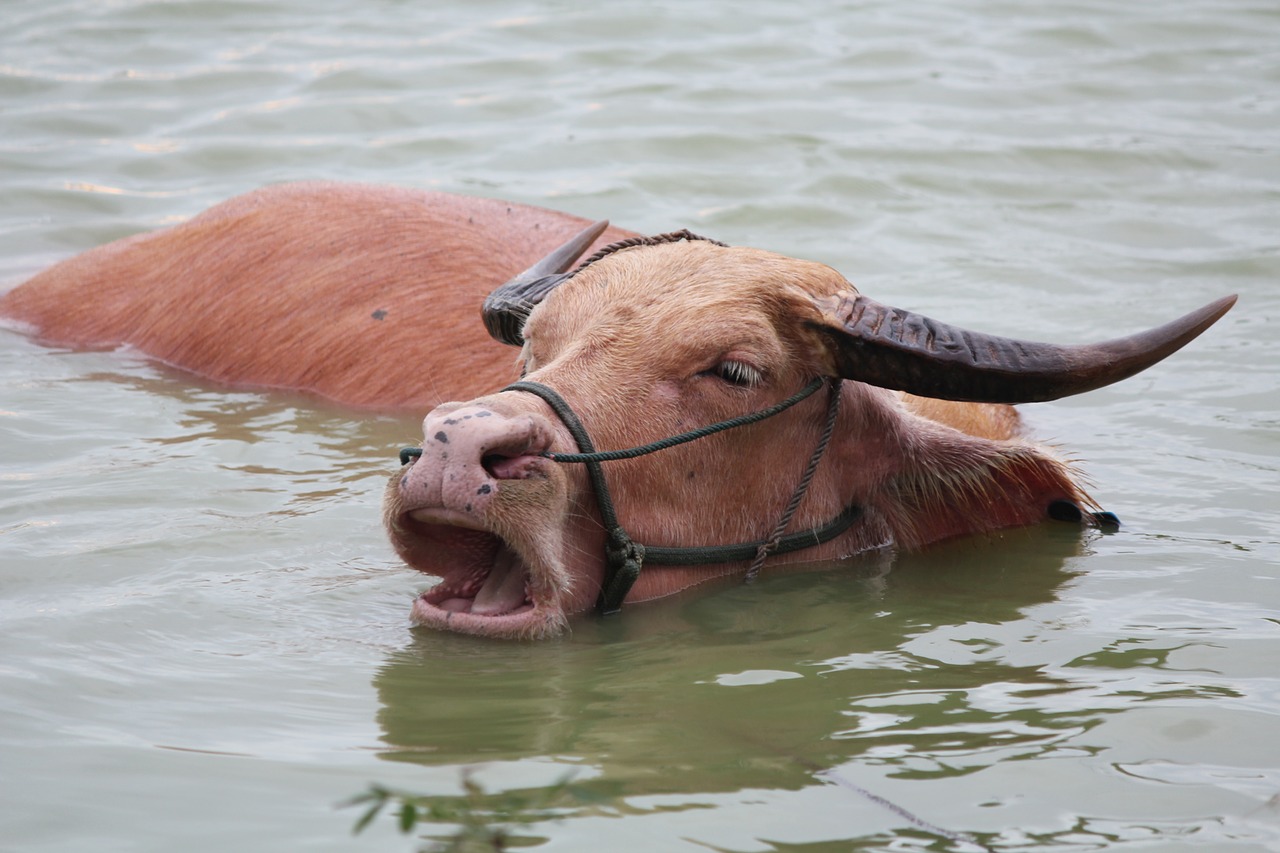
column 486, row 588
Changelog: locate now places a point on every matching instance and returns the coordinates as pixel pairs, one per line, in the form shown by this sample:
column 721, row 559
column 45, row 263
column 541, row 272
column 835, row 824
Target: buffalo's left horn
column 507, row 307
column 897, row 349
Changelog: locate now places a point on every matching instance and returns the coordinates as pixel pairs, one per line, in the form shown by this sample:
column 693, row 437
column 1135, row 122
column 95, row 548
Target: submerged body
column 371, row 297
column 366, row 295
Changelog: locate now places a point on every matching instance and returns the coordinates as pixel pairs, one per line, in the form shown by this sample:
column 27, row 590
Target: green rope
column 771, row 544
column 682, row 438
column 624, row 557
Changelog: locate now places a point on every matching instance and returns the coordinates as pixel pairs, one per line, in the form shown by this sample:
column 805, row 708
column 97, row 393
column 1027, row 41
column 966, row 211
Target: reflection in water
column 759, row 686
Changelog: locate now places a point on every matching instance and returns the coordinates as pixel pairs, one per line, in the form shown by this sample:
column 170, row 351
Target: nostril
column 491, row 460
column 500, row 466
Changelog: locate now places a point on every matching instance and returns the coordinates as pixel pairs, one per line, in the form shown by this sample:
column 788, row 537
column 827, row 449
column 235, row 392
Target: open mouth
column 485, row 587
column 500, row 590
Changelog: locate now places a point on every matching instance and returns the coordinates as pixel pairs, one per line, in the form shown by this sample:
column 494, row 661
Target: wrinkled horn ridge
column 508, row 306
column 904, row 351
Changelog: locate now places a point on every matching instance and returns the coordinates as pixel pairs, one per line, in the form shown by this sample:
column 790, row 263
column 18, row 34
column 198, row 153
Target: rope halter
column 624, row 557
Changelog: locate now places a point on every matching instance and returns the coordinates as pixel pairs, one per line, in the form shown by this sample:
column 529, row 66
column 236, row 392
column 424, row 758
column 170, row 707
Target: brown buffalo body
column 367, row 295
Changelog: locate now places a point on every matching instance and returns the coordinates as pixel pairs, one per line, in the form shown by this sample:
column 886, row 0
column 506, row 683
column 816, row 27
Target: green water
column 204, row 641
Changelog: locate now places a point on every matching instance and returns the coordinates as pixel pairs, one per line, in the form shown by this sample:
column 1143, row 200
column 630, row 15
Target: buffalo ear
column 508, row 306
column 954, row 484
column 905, row 351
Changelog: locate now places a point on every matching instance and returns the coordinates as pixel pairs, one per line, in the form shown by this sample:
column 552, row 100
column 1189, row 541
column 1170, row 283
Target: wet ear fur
column 952, row 483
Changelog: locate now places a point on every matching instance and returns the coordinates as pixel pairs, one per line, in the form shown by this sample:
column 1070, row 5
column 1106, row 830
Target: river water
column 204, row 641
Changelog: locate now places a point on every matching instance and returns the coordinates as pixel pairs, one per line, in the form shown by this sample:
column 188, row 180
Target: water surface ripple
column 203, row 635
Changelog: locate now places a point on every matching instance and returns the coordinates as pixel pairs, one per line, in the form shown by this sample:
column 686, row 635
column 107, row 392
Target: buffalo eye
column 737, row 373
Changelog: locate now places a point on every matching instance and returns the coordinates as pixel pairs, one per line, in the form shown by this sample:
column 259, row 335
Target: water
column 203, row 635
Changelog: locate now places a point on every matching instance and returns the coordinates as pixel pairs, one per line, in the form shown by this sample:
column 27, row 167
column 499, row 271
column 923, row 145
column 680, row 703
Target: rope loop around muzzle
column 625, row 557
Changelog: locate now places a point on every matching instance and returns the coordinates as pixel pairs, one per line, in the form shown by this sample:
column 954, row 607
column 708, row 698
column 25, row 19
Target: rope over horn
column 506, row 308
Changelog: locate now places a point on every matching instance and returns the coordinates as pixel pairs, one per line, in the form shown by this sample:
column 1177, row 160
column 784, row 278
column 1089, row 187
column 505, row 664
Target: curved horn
column 507, row 307
column 897, row 349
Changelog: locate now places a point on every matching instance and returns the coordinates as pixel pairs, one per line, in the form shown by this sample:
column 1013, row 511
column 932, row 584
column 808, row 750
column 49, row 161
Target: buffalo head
column 655, row 337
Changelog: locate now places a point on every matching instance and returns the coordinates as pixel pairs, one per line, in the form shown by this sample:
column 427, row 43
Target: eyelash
column 737, row 373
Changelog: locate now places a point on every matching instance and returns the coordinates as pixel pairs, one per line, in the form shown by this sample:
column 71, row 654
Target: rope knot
column 625, row 558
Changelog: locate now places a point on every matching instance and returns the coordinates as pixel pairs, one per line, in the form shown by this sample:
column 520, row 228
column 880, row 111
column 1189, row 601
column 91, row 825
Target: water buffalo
column 872, row 427
column 749, row 406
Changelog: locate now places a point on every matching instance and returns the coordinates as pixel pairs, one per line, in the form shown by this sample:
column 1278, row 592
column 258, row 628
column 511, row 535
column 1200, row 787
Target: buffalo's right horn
column 507, row 307
column 897, row 349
